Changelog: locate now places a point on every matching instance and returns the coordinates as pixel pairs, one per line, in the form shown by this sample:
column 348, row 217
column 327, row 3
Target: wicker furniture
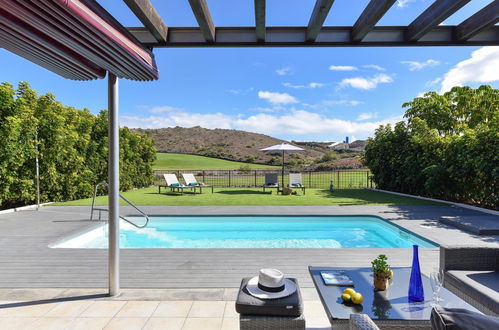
column 472, row 273
column 259, row 322
column 388, row 309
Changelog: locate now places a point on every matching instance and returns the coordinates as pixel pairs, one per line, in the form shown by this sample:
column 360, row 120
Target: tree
column 72, row 148
column 448, row 149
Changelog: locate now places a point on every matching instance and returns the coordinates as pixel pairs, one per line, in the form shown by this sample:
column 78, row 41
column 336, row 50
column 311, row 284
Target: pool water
column 254, row 232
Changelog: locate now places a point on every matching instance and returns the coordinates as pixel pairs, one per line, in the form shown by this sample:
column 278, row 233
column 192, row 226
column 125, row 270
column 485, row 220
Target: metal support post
column 114, row 186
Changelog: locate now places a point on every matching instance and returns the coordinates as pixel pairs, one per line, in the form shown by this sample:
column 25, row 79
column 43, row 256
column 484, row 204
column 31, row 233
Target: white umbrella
column 284, row 148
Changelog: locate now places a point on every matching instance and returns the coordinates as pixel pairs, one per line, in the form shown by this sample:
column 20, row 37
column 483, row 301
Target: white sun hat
column 270, row 284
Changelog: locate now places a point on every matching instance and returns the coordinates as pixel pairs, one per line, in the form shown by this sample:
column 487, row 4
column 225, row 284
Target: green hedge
column 448, row 148
column 72, row 149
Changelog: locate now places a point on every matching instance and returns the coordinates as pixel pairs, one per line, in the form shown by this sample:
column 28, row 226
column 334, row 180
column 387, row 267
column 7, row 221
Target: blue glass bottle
column 416, row 292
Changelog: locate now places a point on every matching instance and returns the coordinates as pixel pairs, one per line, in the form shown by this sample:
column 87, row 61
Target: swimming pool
column 253, row 232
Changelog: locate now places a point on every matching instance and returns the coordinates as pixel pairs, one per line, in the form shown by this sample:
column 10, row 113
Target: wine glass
column 436, row 281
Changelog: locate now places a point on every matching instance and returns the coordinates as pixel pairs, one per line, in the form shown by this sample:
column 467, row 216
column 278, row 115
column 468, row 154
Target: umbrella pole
column 282, row 170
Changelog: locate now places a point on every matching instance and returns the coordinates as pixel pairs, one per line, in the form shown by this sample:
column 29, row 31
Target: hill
column 220, row 143
column 169, row 161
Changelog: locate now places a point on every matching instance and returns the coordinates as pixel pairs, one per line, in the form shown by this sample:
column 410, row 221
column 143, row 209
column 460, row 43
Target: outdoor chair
column 174, row 185
column 296, row 182
column 190, row 181
column 271, row 181
column 472, row 273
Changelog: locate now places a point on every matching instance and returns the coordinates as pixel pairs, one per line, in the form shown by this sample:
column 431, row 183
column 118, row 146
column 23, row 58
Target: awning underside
column 76, row 39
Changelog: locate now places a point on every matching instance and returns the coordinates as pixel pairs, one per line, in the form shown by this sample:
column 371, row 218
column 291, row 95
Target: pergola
column 80, row 40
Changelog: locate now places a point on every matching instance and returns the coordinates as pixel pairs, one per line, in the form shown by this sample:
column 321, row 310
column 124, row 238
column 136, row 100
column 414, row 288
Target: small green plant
column 380, row 266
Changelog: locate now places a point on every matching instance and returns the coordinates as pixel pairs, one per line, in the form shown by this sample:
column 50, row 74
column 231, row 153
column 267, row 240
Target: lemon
column 357, row 298
column 349, row 291
column 346, row 297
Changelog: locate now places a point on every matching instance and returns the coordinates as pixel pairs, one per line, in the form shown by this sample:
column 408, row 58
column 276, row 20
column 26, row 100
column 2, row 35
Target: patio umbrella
column 284, row 148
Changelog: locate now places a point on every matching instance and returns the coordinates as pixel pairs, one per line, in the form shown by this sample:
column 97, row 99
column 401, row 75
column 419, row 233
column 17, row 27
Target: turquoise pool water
column 254, row 232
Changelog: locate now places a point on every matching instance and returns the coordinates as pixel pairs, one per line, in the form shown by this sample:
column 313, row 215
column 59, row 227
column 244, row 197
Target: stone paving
column 92, row 309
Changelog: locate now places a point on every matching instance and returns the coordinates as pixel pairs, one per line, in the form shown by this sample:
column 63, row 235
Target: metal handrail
column 121, row 217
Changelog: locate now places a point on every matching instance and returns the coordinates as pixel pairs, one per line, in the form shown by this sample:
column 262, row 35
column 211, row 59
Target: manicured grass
column 169, row 161
column 252, row 196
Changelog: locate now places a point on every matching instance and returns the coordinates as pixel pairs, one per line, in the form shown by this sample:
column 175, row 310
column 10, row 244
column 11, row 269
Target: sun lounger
column 174, row 185
column 190, row 181
column 296, row 182
column 271, row 181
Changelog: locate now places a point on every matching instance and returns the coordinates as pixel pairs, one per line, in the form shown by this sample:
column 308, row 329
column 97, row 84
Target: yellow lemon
column 346, row 297
column 357, row 298
column 349, row 291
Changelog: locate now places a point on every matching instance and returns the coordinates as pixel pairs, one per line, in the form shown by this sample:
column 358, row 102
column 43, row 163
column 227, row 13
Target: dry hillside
column 219, row 143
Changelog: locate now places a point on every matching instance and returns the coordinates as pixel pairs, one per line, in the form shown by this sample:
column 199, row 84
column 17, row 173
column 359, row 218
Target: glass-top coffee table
column 389, row 309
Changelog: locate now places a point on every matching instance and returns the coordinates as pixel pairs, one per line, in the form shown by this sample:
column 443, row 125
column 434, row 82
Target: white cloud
column 296, row 122
column 404, row 3
column 161, row 109
column 375, row 67
column 416, row 66
column 366, row 83
column 433, row 82
column 365, row 116
column 482, row 67
column 309, row 85
column 284, row 71
column 240, row 91
column 277, row 98
column 342, row 68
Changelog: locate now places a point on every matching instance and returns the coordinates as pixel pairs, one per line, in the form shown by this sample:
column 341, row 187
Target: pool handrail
column 103, row 183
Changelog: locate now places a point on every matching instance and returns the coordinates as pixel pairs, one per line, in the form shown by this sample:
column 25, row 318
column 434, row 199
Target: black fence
column 341, row 179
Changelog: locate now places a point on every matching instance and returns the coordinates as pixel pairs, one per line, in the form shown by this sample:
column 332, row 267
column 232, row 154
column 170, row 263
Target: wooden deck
column 26, row 261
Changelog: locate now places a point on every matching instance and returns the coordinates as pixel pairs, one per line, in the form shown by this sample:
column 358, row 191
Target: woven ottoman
column 270, row 314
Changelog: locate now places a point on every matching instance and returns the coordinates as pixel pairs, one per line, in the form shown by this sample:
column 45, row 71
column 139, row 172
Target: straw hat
column 270, row 284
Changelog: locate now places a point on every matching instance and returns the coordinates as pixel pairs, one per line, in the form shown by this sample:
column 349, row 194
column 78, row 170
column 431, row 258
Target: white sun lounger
column 296, row 182
column 190, row 180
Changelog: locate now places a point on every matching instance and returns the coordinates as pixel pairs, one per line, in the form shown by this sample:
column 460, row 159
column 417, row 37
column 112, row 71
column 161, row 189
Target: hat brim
column 255, row 291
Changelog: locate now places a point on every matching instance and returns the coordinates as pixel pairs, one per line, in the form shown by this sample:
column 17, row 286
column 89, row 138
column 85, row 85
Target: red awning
column 76, row 39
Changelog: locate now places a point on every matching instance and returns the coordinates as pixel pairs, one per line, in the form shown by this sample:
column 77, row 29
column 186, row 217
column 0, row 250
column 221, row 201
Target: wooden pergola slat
column 438, row 12
column 260, row 20
column 319, row 14
column 203, row 17
column 481, row 20
column 369, row 17
column 330, row 36
column 146, row 13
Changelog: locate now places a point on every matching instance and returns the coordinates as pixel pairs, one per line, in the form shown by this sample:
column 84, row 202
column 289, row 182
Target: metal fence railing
column 342, row 179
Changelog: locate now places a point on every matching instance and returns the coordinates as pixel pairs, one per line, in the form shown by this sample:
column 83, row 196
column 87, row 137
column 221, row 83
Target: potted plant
column 381, row 272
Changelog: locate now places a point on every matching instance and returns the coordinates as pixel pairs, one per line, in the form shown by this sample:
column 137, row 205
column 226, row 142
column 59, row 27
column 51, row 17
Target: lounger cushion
column 287, row 306
column 175, row 185
column 193, row 184
column 482, row 286
column 296, row 185
column 463, row 319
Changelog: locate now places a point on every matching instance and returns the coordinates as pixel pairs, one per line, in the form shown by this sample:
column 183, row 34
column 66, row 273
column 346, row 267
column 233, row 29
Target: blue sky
column 319, row 94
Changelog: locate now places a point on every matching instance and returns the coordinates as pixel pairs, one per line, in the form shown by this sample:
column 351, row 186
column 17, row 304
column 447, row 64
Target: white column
column 114, row 186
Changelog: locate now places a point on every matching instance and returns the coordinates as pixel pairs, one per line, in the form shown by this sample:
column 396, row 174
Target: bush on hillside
column 72, row 149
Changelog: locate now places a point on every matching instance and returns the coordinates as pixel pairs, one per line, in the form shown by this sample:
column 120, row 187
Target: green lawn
column 252, row 196
column 169, row 161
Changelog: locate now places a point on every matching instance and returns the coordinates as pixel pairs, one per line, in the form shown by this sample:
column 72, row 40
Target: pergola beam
column 203, row 17
column 379, row 36
column 146, row 13
column 369, row 17
column 319, row 14
column 481, row 20
column 438, row 12
column 260, row 20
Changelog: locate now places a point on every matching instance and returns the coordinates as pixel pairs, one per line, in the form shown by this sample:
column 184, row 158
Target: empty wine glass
column 436, row 281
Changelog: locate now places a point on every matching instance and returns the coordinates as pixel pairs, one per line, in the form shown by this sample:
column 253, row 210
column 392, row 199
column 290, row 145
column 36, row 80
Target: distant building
column 357, row 145
column 347, row 140
column 339, row 146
